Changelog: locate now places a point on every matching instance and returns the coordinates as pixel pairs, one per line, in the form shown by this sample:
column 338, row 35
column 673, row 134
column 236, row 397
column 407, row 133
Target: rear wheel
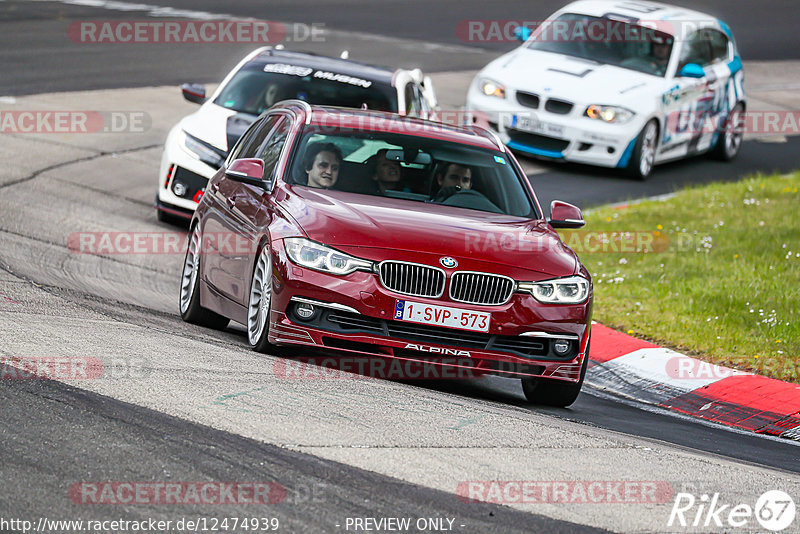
column 730, row 139
column 644, row 152
column 551, row 392
column 190, row 308
column 260, row 302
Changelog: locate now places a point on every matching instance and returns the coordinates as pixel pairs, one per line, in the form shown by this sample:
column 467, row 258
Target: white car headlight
column 569, row 290
column 313, row 255
column 198, row 150
column 613, row 114
column 492, row 88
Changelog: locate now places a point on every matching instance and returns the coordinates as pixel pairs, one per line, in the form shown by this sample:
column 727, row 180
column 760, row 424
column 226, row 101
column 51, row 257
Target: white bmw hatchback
column 626, row 84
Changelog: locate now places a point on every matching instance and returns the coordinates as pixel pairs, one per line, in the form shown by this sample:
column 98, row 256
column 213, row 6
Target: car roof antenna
column 364, row 106
column 345, row 54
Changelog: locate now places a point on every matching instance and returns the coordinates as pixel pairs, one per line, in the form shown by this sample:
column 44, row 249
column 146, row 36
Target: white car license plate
column 417, row 312
column 532, row 124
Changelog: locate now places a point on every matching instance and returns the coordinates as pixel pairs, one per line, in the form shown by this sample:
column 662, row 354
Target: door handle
column 215, row 186
column 231, row 201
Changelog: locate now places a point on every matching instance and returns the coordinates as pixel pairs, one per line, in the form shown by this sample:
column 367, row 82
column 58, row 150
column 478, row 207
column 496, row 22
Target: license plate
column 417, row 312
column 532, row 124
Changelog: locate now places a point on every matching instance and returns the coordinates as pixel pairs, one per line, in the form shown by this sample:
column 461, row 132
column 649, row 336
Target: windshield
column 410, row 168
column 606, row 41
column 255, row 88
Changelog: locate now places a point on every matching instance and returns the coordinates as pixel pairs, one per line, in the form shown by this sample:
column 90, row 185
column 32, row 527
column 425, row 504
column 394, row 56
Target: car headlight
column 492, row 88
column 613, row 114
column 307, row 253
column 569, row 290
column 198, row 150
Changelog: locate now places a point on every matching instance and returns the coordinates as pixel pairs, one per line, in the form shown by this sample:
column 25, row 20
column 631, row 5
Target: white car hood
column 210, row 124
column 568, row 78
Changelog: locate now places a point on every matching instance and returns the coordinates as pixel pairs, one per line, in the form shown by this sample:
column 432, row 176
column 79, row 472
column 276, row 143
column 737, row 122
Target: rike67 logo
column 774, row 510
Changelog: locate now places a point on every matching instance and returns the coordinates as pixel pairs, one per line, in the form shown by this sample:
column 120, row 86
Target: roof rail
column 303, row 104
column 489, row 134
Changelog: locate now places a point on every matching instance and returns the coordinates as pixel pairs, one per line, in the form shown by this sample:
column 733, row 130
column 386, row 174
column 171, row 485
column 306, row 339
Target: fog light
column 561, row 346
column 305, row 311
column 179, row 188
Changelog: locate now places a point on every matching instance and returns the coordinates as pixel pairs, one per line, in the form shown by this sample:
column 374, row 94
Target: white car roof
column 642, row 11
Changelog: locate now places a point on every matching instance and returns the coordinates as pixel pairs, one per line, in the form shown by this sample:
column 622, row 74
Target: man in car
column 660, row 50
column 455, row 175
column 321, row 163
column 388, row 173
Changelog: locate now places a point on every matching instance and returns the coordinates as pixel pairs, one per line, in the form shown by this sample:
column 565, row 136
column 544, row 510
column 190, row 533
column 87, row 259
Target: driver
column 455, row 175
column 321, row 163
column 659, row 51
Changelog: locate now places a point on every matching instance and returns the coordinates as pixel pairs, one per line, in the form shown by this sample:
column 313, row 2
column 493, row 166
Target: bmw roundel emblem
column 448, row 262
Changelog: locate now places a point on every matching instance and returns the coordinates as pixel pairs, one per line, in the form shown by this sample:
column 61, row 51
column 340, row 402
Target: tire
column 729, row 141
column 189, row 302
column 260, row 302
column 644, row 152
column 549, row 392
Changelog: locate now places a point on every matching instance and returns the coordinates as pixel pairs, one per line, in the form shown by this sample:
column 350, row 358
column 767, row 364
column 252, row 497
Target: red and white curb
column 649, row 373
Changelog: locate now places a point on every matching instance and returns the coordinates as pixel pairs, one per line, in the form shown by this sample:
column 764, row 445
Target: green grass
column 721, row 280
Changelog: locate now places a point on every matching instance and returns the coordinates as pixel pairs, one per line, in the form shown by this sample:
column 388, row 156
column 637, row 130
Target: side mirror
column 563, row 215
column 249, row 171
column 522, row 33
column 692, row 70
column 194, row 92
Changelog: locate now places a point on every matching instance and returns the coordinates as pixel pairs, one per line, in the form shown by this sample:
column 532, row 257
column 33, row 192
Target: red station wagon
column 369, row 233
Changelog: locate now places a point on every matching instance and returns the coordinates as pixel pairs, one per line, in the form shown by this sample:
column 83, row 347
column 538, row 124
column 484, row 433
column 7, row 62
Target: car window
column 413, row 105
column 719, row 45
column 423, row 164
column 271, row 151
column 696, row 49
column 247, row 138
column 607, row 41
column 250, row 148
column 257, row 87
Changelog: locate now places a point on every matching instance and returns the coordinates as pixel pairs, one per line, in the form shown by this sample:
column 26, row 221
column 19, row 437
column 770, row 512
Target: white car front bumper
column 556, row 136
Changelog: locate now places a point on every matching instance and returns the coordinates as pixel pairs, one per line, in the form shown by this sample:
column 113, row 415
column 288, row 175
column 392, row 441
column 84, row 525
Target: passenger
column 321, row 163
column 387, row 173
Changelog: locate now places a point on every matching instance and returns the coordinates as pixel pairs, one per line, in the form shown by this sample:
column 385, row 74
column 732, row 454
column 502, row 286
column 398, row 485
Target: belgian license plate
column 416, row 312
column 532, row 124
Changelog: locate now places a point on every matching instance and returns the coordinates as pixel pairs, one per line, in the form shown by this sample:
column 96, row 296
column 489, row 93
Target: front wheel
column 549, row 392
column 730, row 139
column 644, row 152
column 259, row 307
column 190, row 308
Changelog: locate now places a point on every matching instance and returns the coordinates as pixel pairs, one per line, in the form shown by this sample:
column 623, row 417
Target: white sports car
column 626, row 84
column 197, row 146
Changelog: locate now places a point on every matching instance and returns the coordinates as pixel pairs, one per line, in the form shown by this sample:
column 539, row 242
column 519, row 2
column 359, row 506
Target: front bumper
column 567, row 137
column 355, row 314
column 180, row 172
